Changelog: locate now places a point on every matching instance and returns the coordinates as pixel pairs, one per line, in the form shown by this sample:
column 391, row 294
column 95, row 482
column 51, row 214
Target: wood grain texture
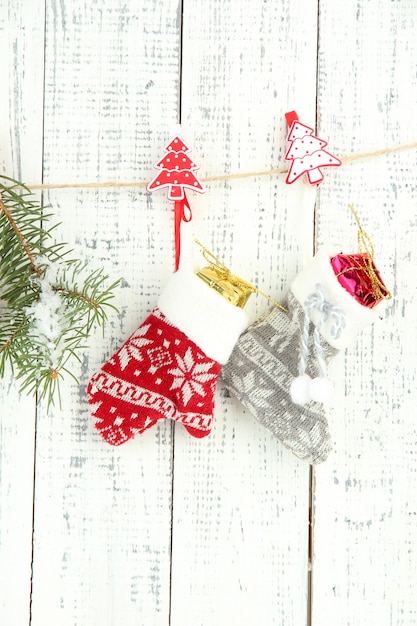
column 167, row 530
column 103, row 515
column 21, row 113
column 365, row 556
column 237, row 494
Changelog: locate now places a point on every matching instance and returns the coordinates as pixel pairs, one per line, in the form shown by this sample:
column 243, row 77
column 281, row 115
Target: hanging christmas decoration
column 48, row 303
column 169, row 367
column 306, row 152
column 278, row 368
column 177, row 172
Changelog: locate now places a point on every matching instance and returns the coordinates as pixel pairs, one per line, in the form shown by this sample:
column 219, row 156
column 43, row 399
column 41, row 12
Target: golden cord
column 367, row 251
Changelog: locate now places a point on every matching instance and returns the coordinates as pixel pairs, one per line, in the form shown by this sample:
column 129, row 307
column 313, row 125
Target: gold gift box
column 236, row 294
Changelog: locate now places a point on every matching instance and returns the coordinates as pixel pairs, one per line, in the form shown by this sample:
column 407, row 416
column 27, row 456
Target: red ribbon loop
column 180, row 214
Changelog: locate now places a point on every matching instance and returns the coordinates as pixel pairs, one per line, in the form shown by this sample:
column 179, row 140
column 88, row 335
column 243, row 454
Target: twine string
column 225, row 274
column 223, row 177
column 366, row 247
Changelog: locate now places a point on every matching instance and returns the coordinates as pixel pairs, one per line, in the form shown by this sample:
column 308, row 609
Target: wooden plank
column 365, row 553
column 103, row 515
column 240, row 524
column 21, row 46
column 240, row 507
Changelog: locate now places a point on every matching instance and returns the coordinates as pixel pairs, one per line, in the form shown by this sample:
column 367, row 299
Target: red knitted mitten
column 169, row 367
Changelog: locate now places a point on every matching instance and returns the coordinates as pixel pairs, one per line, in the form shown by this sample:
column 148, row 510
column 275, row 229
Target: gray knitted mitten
column 263, row 365
column 278, row 366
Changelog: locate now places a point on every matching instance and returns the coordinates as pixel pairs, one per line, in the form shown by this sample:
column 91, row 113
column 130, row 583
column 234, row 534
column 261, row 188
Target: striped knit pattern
column 259, row 373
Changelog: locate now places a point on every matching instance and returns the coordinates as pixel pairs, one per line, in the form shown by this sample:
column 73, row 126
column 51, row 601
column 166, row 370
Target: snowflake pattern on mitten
column 158, row 373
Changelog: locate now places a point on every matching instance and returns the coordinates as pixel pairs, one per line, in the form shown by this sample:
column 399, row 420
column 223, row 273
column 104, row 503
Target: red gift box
column 360, row 278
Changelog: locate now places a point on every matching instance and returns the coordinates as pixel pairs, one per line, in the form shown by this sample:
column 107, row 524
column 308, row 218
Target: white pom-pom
column 300, row 389
column 321, row 389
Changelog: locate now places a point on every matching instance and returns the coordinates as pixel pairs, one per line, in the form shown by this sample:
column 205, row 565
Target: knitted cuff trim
column 319, row 272
column 202, row 314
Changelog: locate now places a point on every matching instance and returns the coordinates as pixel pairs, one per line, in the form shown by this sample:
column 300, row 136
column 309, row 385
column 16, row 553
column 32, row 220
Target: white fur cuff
column 202, row 314
column 320, row 272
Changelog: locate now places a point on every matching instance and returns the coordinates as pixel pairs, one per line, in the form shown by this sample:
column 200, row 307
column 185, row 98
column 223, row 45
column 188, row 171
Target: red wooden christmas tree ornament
column 306, row 152
column 177, row 173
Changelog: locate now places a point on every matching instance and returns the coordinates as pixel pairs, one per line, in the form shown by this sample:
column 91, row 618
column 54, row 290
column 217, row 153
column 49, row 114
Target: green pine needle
column 48, row 303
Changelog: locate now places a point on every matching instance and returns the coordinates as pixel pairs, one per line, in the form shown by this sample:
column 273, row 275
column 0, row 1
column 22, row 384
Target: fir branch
column 48, row 303
column 19, row 236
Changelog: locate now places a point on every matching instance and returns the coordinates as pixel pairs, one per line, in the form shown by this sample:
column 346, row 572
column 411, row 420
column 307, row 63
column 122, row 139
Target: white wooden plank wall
column 21, row 48
column 169, row 530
